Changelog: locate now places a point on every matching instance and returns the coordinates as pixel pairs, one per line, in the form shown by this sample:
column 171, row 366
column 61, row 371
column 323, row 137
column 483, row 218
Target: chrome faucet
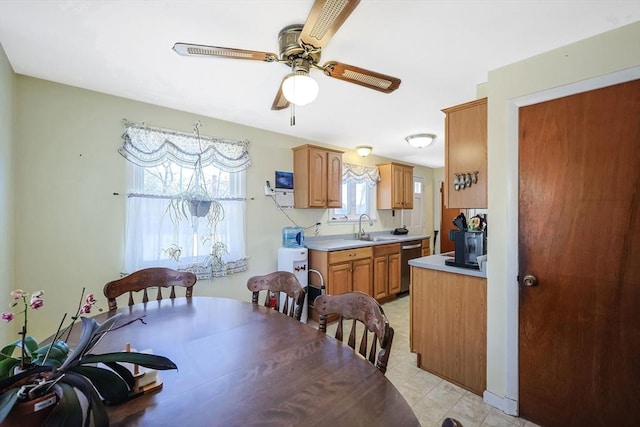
column 361, row 233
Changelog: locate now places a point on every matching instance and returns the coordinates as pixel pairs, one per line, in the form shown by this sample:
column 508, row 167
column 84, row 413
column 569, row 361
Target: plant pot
column 31, row 413
column 199, row 208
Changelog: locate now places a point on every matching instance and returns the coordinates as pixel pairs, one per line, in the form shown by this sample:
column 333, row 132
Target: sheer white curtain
column 162, row 174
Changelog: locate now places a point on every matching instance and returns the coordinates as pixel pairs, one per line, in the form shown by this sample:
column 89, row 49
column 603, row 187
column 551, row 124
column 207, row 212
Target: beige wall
column 568, row 68
column 69, row 224
column 6, row 191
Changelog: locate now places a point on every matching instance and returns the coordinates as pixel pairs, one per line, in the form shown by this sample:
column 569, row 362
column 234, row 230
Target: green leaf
column 68, row 411
column 6, row 367
column 151, row 361
column 109, row 384
column 7, row 400
column 96, row 407
column 125, row 373
column 31, row 345
column 9, row 348
column 57, row 355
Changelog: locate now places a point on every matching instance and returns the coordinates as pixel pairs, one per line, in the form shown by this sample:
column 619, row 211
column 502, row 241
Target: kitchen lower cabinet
column 343, row 271
column 386, row 271
column 448, row 326
column 426, row 247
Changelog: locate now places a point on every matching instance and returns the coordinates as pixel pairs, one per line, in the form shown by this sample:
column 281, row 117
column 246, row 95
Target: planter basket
column 199, row 208
column 31, row 413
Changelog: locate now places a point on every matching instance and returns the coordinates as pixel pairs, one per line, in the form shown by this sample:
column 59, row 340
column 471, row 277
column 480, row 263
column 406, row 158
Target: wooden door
column 363, row 275
column 317, row 178
column 446, row 224
column 579, row 234
column 394, row 273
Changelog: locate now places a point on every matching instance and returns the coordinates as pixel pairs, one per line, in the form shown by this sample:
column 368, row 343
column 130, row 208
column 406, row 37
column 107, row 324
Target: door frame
column 510, row 402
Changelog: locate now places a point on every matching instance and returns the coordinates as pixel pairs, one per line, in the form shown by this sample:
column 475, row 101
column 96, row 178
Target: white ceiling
column 439, row 49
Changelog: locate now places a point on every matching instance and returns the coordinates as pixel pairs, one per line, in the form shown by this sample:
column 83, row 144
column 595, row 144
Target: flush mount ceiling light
column 420, row 140
column 363, row 150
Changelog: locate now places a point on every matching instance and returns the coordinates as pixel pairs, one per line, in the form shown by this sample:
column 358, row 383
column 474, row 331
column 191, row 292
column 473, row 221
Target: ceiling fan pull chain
column 292, row 109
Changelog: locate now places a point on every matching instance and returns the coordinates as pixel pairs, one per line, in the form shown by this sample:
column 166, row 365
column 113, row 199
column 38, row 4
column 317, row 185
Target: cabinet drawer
column 350, row 255
column 390, row 249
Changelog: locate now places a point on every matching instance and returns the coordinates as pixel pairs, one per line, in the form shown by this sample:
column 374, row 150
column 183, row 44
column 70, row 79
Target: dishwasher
column 408, row 250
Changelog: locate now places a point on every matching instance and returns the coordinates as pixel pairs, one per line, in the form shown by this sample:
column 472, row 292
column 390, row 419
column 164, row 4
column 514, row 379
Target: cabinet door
column 380, row 276
column 448, row 326
column 407, row 190
column 362, row 275
column 334, row 180
column 465, row 152
column 339, row 280
column 317, row 178
column 426, row 247
column 394, row 274
column 397, row 192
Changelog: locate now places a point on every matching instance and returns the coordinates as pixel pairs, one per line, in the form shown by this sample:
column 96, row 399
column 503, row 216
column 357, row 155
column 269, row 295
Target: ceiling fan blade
column 188, row 49
column 362, row 77
column 325, row 18
column 280, row 102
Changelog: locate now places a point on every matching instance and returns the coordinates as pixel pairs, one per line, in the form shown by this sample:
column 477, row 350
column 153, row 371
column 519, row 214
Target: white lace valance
column 359, row 173
column 147, row 146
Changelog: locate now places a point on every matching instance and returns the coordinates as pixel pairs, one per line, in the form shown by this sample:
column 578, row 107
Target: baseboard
column 506, row 405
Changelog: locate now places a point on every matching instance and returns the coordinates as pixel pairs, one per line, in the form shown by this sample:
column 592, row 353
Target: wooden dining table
column 241, row 364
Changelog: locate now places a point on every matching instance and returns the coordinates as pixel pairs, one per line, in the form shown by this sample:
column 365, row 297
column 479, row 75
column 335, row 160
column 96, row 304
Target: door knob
column 530, row 280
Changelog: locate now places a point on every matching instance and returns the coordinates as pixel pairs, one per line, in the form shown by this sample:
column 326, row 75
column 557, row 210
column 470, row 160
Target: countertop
column 436, row 262
column 338, row 242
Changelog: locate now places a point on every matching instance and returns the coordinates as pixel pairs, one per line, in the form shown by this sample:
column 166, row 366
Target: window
column 358, row 193
column 162, row 229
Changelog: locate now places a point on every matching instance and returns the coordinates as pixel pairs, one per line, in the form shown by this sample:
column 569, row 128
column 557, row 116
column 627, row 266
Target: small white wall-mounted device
column 268, row 191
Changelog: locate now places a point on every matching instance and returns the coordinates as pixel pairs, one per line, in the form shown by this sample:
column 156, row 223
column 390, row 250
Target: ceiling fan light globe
column 420, row 140
column 299, row 88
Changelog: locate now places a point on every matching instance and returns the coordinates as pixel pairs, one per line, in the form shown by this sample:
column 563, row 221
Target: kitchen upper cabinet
column 317, row 177
column 386, row 271
column 395, row 189
column 466, row 155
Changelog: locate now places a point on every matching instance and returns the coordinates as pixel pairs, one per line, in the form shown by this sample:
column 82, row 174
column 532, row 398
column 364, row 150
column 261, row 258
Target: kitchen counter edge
column 340, row 242
column 436, row 262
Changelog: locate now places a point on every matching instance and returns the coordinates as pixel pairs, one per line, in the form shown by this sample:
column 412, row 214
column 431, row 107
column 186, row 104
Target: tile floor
column 432, row 398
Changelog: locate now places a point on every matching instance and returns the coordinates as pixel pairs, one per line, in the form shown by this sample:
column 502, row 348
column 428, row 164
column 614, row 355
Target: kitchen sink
column 375, row 239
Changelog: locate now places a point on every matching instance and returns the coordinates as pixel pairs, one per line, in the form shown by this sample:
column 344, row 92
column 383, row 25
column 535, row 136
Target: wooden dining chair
column 274, row 283
column 141, row 280
column 361, row 309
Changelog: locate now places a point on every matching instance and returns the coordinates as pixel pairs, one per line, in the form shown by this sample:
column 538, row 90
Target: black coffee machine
column 470, row 244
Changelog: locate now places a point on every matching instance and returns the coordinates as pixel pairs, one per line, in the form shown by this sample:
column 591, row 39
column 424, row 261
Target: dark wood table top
column 240, row 364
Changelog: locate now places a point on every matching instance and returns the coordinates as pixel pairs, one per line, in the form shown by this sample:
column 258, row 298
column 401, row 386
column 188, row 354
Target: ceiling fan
column 300, row 48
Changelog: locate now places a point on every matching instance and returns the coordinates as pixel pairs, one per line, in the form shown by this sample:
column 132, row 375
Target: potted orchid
column 75, row 385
